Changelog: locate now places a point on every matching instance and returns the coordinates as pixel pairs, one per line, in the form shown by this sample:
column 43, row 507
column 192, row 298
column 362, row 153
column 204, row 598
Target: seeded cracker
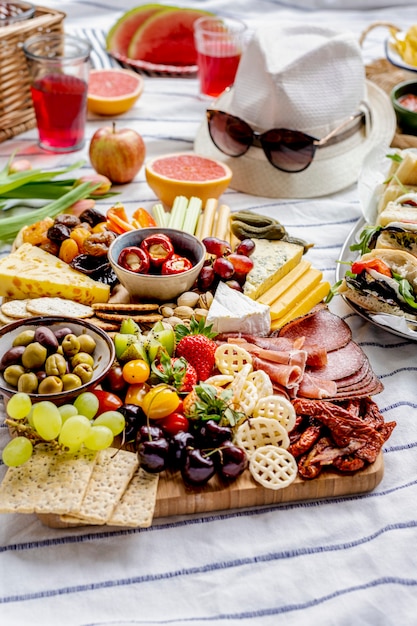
column 58, row 306
column 137, row 505
column 109, row 480
column 49, row 482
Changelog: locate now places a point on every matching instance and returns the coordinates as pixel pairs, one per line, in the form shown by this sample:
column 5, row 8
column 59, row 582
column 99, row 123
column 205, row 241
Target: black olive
column 59, row 232
column 92, row 217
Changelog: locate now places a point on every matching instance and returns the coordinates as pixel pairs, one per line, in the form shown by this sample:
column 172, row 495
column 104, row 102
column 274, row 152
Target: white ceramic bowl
column 156, row 287
column 104, row 353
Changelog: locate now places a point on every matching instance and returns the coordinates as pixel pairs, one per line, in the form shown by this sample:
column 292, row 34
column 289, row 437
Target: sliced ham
column 317, row 388
column 289, row 357
column 287, row 375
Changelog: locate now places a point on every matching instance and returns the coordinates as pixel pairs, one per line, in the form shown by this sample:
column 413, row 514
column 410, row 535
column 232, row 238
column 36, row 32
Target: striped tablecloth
column 349, row 560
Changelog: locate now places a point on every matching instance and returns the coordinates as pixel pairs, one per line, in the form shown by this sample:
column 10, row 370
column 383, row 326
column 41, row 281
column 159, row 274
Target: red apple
column 117, row 154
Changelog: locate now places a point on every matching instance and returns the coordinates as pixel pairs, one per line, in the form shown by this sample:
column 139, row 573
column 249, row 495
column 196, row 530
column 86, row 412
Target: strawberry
column 196, row 345
column 175, row 371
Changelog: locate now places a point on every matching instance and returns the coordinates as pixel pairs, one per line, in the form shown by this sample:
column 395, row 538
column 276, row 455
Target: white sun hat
column 311, row 79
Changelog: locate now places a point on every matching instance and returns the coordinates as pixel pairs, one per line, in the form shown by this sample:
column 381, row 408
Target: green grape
column 73, row 432
column 67, row 410
column 87, row 404
column 99, row 438
column 30, row 418
column 19, row 406
column 17, row 451
column 47, row 420
column 113, row 420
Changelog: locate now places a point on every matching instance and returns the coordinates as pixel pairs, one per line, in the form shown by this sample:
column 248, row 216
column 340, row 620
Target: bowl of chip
column 404, row 101
column 153, row 284
column 53, row 358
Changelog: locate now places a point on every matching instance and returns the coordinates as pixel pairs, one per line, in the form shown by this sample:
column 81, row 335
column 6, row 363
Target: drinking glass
column 15, row 12
column 59, row 67
column 219, row 43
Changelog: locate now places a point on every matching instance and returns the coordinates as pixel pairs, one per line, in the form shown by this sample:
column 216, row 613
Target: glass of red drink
column 59, row 66
column 219, row 43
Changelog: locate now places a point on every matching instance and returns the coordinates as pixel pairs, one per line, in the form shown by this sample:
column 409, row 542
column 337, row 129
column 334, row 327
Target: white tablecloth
column 350, row 560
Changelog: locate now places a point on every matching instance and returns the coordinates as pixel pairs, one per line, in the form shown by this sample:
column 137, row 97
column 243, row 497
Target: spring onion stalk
column 176, row 218
column 9, row 182
column 161, row 217
column 10, row 226
column 192, row 214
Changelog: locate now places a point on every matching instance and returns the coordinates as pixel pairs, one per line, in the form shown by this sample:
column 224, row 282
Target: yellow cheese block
column 304, row 306
column 30, row 272
column 272, row 259
column 296, row 293
column 281, row 286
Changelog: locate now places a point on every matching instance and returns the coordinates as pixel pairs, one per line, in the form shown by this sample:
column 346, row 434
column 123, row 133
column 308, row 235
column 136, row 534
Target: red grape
column 245, row 247
column 206, row 277
column 216, row 246
column 241, row 263
column 223, row 267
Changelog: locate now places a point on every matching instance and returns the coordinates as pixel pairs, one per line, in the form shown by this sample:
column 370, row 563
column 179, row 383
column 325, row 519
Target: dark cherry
column 149, row 432
column 178, row 443
column 134, row 418
column 153, row 454
column 211, row 434
column 232, row 460
column 197, row 468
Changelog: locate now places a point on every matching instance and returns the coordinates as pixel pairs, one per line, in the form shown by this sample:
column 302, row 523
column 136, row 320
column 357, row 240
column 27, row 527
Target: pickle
column 299, row 242
column 242, row 230
column 253, row 219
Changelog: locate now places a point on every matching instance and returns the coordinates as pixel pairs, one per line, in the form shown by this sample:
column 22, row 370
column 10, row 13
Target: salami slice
column 323, row 328
column 359, row 378
column 342, row 363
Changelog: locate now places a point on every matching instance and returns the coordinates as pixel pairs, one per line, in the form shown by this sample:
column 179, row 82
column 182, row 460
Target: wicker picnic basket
column 16, row 110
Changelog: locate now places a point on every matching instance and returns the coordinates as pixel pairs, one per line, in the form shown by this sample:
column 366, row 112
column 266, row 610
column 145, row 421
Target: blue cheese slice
column 232, row 311
column 272, row 259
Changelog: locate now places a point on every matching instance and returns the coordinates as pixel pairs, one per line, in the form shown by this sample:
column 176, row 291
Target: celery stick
column 176, row 218
column 160, row 216
column 192, row 215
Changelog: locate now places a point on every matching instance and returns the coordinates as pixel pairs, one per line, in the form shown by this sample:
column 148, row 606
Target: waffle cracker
column 261, row 431
column 272, row 467
column 230, row 358
column 278, row 408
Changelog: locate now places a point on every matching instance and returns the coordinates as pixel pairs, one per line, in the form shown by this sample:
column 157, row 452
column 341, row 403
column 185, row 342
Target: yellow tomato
column 160, row 401
column 136, row 371
column 136, row 393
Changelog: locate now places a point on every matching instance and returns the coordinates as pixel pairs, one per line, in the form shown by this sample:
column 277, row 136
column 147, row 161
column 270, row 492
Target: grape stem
column 27, row 431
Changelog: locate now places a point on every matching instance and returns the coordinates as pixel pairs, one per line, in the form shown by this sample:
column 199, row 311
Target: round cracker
column 272, row 467
column 16, row 309
column 59, row 306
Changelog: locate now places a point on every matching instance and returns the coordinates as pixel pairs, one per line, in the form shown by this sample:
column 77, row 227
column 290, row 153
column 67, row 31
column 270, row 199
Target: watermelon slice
column 167, row 37
column 120, row 35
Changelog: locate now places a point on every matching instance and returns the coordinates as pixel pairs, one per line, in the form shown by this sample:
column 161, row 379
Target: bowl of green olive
column 53, row 358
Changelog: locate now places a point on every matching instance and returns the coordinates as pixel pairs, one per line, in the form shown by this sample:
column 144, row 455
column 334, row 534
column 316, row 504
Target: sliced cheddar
column 305, row 305
column 281, row 286
column 296, row 293
column 30, row 272
column 273, row 259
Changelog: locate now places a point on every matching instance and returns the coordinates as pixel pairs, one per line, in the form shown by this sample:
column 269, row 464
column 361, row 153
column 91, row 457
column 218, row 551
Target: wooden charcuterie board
column 175, row 498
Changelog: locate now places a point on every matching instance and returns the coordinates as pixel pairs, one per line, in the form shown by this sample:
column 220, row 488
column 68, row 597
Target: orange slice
column 113, row 91
column 187, row 174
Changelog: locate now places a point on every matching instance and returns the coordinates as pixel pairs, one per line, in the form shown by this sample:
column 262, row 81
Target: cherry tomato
column 107, row 401
column 136, row 371
column 136, row 393
column 114, row 380
column 174, row 423
column 372, row 264
column 160, row 401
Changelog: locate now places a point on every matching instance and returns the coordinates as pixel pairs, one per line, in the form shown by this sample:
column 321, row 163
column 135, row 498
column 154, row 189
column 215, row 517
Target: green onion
column 10, row 226
column 192, row 214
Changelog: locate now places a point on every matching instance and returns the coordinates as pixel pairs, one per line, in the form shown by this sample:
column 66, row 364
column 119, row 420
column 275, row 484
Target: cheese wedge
column 281, row 286
column 304, row 306
column 273, row 259
column 30, row 272
column 296, row 293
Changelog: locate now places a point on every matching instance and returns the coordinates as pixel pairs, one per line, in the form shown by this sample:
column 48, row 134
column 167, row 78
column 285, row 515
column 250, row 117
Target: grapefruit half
column 186, row 174
column 113, row 91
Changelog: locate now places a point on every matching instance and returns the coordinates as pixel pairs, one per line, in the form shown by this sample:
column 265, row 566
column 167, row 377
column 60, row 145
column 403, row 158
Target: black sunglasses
column 287, row 150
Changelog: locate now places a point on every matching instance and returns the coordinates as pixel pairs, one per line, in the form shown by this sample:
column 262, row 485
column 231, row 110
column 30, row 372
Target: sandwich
column 383, row 281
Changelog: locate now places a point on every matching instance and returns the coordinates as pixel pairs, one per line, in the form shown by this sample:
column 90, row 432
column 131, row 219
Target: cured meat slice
column 287, row 375
column 289, row 357
column 318, row 388
column 323, row 328
column 364, row 373
column 342, row 362
column 316, row 355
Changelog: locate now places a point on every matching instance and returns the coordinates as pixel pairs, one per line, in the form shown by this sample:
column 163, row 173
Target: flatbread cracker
column 123, row 307
column 149, row 318
column 59, row 306
column 5, row 319
column 104, row 325
column 137, row 505
column 49, row 482
column 111, row 475
column 16, row 309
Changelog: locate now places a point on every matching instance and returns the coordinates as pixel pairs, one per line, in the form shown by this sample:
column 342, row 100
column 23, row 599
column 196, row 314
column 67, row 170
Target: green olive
column 84, row 371
column 28, row 383
column 87, row 343
column 34, row 356
column 71, row 381
column 24, row 338
column 50, row 384
column 82, row 357
column 12, row 374
column 70, row 345
column 55, row 365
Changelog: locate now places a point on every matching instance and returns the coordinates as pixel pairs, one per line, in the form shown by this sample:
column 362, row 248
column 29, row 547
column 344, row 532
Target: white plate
column 396, row 59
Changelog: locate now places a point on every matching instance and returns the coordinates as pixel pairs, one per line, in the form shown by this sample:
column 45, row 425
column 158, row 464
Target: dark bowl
column 104, row 353
column 406, row 118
